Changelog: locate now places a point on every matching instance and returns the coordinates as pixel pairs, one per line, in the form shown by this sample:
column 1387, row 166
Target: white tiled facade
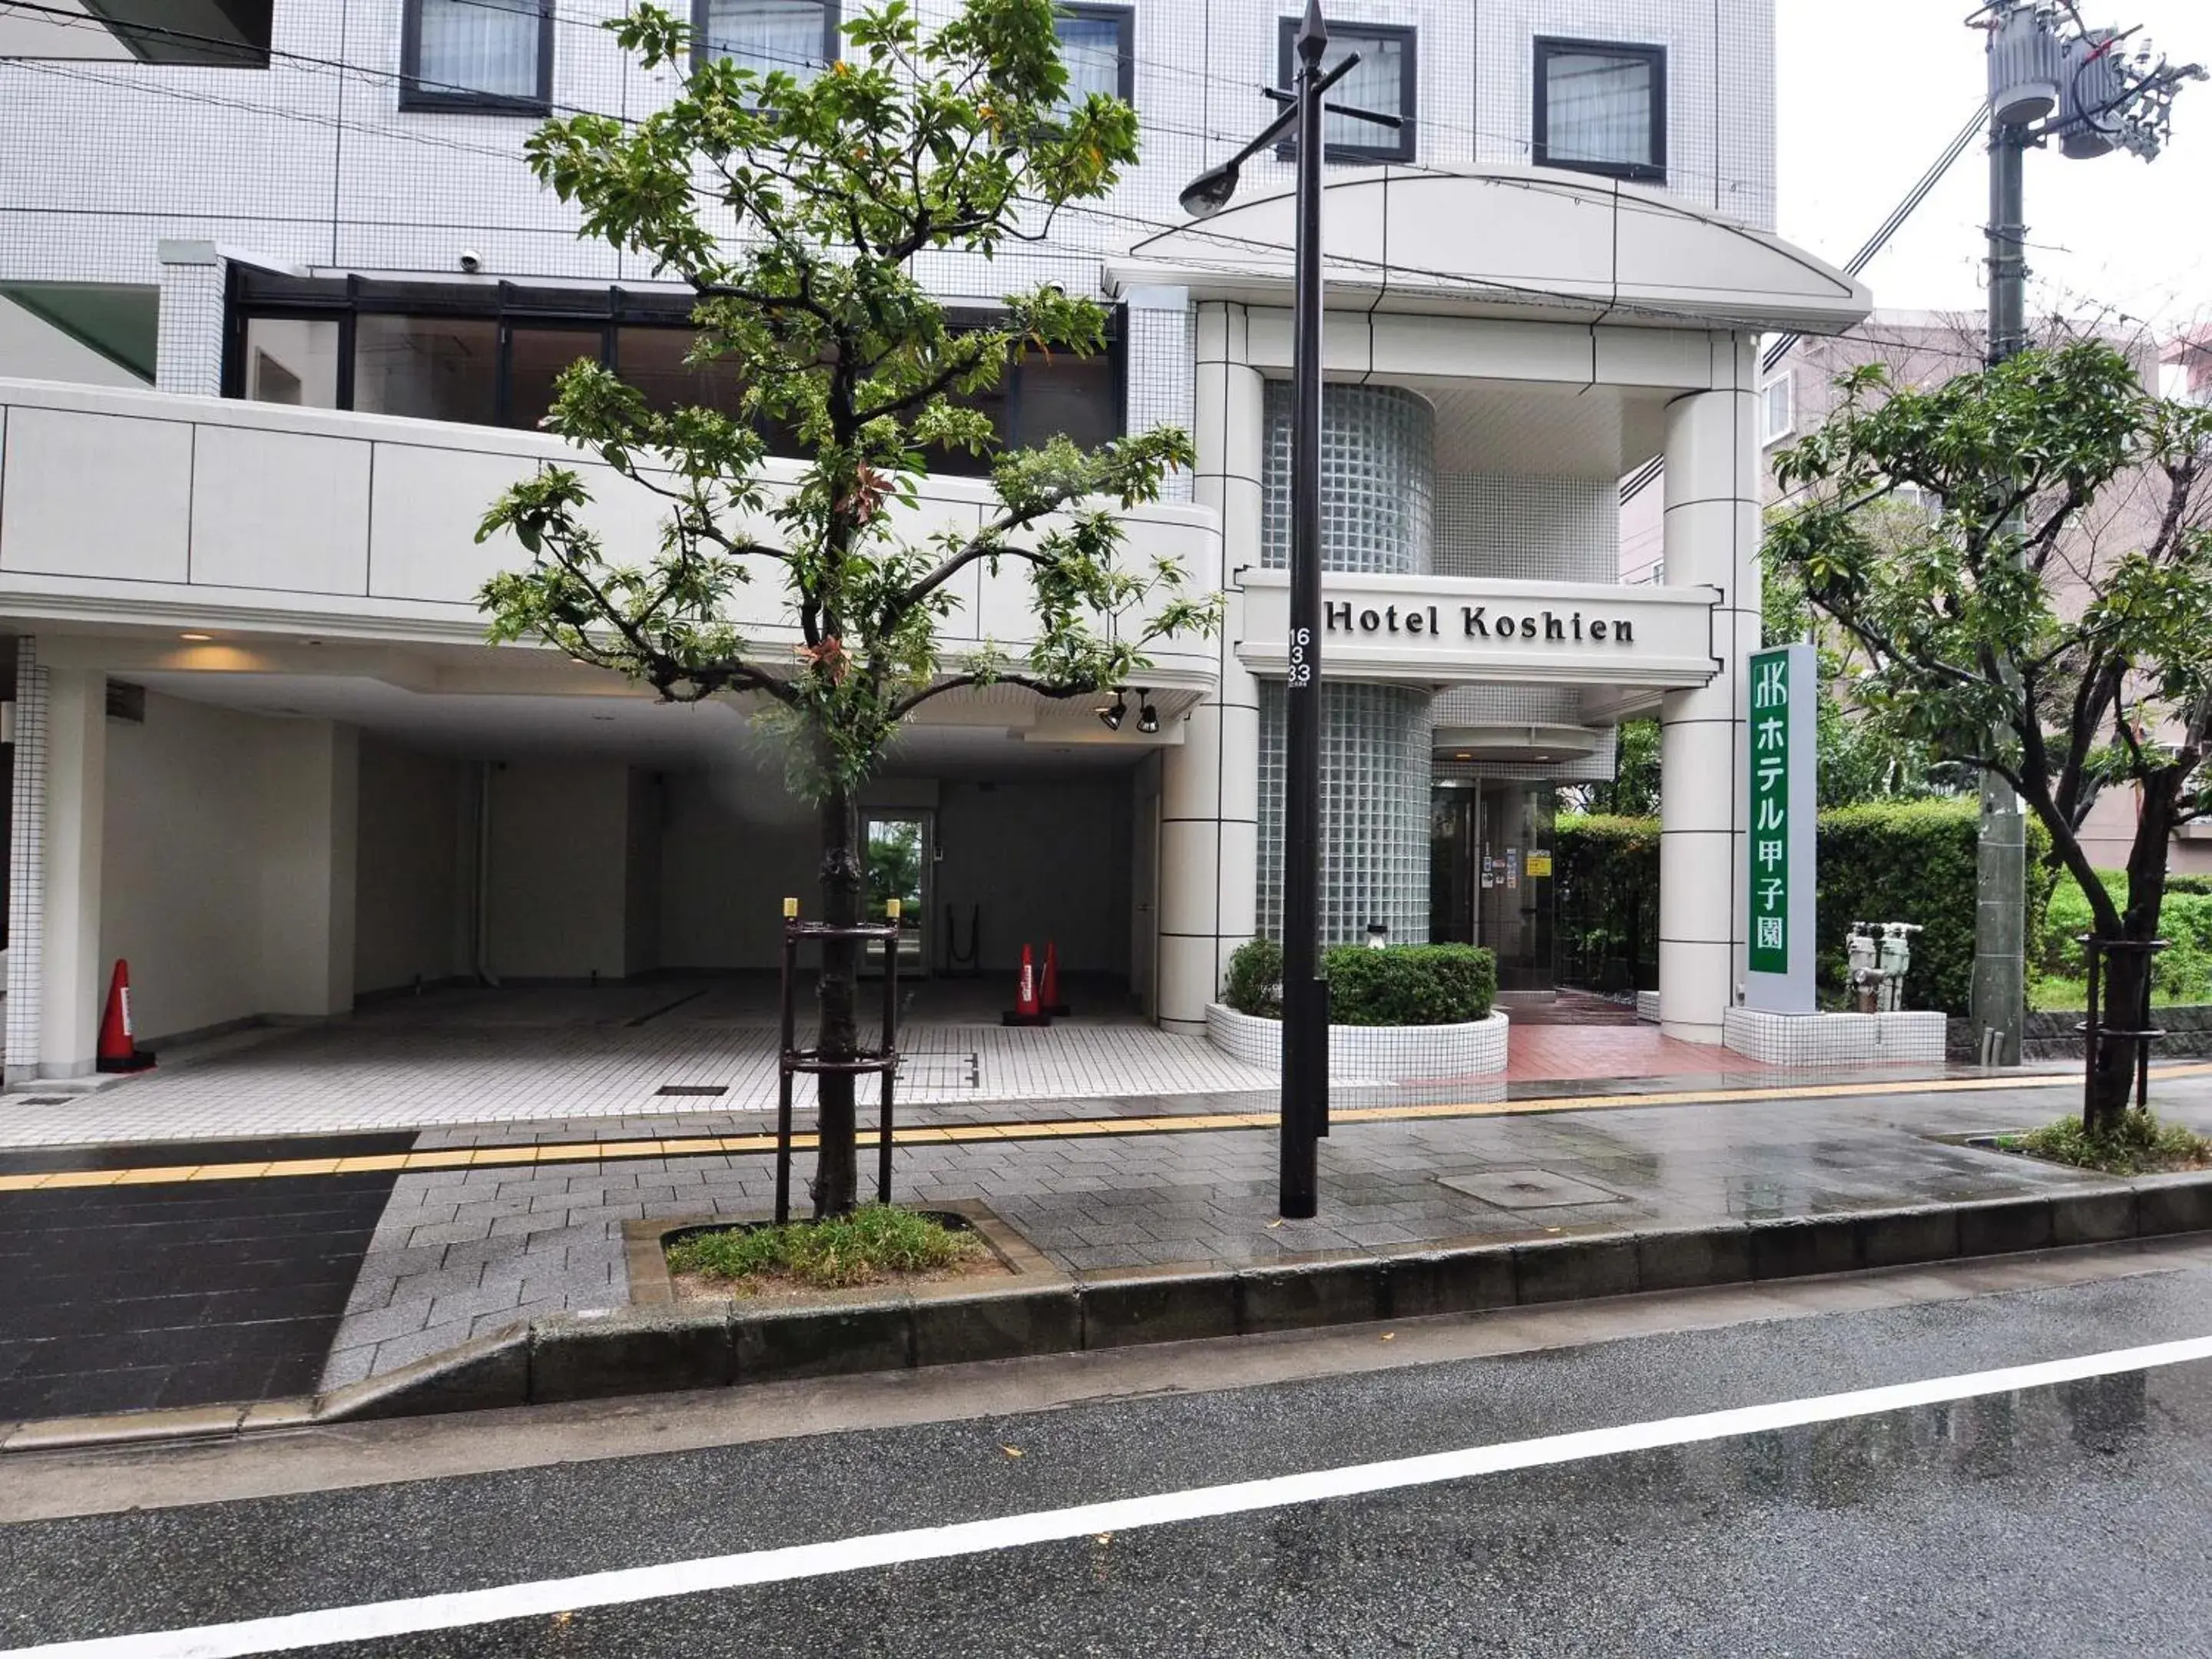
column 1547, row 329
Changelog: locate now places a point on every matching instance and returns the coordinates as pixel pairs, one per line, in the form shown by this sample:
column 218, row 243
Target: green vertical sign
column 1771, row 827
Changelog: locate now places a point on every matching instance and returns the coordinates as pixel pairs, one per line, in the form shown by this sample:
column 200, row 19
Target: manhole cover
column 1528, row 1189
column 45, row 1100
column 704, row 1090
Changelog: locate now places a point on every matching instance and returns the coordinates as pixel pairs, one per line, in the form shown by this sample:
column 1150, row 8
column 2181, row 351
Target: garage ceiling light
column 196, row 638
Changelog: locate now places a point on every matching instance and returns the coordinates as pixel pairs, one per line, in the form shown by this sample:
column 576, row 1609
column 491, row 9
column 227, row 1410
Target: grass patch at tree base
column 2138, row 1144
column 877, row 1244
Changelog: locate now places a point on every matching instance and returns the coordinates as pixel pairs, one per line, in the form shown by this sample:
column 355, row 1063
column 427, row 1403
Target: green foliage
column 1398, row 985
column 1253, row 984
column 1409, row 984
column 1913, row 861
column 1884, row 861
column 1605, row 885
column 874, row 1241
column 1997, row 631
column 1634, row 790
column 797, row 211
column 2137, row 1144
column 1859, row 759
column 2184, row 969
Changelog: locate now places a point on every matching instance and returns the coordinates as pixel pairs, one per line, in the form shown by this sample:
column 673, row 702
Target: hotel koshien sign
column 1781, row 739
column 1445, row 630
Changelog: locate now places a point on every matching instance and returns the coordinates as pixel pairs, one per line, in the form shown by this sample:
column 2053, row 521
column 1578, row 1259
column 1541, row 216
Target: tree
column 2017, row 630
column 795, row 210
column 1860, row 761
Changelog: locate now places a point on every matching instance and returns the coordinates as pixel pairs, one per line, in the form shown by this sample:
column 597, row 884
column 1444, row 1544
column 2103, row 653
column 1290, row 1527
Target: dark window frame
column 833, row 39
column 414, row 95
column 1402, row 147
column 1653, row 172
column 256, row 292
column 1125, row 79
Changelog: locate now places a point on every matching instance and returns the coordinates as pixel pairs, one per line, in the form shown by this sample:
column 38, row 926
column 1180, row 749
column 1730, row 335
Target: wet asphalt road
column 2070, row 1520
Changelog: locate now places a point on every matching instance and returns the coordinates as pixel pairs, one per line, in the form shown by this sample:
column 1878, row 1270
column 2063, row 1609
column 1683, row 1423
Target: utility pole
column 2050, row 78
column 1304, row 1110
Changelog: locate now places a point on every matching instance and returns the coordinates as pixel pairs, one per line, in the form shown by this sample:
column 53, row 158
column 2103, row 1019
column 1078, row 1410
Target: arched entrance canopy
column 1518, row 242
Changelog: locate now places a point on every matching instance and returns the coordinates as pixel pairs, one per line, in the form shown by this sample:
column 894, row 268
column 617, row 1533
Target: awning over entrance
column 1507, row 242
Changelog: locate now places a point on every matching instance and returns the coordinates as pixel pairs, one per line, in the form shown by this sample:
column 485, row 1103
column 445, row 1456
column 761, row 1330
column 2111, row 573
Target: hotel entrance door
column 1490, row 875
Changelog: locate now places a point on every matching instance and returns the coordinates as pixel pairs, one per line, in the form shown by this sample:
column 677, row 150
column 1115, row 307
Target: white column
column 27, row 871
column 1712, row 535
column 1210, row 783
column 188, row 346
column 311, row 826
column 73, row 979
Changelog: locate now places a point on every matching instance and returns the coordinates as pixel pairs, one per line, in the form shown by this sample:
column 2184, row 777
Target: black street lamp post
column 1305, row 994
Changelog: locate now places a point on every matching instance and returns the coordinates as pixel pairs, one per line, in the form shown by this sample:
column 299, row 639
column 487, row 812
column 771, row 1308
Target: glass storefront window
column 651, row 359
column 536, row 358
column 1064, row 395
column 437, row 368
column 292, row 361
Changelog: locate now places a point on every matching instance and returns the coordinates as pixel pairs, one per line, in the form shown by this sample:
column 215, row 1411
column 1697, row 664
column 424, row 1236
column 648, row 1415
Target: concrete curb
column 663, row 1348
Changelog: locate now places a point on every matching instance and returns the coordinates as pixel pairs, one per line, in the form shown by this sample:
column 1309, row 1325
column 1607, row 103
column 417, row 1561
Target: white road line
column 292, row 1631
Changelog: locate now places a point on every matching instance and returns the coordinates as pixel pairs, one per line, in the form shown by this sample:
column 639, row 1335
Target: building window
column 1601, row 108
column 1097, row 44
column 1778, row 410
column 799, row 37
column 477, row 54
column 1384, row 82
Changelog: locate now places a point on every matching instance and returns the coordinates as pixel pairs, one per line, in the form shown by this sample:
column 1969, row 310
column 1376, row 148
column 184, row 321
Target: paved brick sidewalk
column 459, row 1253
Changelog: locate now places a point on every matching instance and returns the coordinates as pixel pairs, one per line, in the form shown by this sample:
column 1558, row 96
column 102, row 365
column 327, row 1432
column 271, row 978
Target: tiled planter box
column 1386, row 1054
column 1834, row 1039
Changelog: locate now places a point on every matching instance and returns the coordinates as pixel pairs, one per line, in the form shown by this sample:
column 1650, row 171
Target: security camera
column 471, row 261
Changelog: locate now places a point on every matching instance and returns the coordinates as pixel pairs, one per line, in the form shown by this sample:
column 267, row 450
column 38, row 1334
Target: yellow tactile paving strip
column 615, row 1151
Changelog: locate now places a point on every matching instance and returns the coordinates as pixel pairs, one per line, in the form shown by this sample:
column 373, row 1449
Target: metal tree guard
column 2094, row 1031
column 792, row 1060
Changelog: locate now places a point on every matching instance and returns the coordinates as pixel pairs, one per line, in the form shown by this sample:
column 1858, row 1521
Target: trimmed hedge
column 2184, row 921
column 1605, row 889
column 1914, row 862
column 1402, row 984
column 1885, row 861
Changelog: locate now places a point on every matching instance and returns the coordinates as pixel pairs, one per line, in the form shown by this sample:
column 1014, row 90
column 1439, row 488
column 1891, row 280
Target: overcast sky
column 1872, row 90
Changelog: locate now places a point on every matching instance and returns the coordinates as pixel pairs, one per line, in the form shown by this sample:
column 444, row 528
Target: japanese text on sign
column 1771, row 807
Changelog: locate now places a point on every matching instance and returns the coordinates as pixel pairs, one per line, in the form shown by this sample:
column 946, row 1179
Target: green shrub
column 1403, row 985
column 860, row 1248
column 2138, row 1144
column 1913, row 861
column 1254, row 981
column 1605, row 886
column 2184, row 921
column 1887, row 861
column 1409, row 984
column 2196, row 885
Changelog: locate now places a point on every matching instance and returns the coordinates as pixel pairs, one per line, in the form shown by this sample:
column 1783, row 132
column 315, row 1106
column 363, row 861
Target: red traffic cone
column 1049, row 996
column 1027, row 1009
column 117, row 1053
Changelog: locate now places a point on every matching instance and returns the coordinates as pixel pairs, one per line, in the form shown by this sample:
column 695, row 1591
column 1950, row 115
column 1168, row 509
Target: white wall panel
column 280, row 510
column 96, row 496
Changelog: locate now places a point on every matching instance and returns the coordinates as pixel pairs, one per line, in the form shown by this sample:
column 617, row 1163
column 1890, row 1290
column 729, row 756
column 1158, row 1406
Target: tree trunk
column 837, row 1034
column 2128, row 974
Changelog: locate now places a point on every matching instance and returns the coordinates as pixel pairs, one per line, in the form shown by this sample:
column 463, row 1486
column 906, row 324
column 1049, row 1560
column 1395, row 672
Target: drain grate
column 959, row 1069
column 701, row 1091
column 45, row 1100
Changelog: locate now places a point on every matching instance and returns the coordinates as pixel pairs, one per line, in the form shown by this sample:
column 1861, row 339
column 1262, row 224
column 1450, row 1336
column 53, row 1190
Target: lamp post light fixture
column 1305, row 1112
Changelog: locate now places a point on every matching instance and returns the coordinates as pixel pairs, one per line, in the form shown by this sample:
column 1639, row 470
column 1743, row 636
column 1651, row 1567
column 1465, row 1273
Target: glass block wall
column 1378, row 493
column 1378, row 507
column 1374, row 811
